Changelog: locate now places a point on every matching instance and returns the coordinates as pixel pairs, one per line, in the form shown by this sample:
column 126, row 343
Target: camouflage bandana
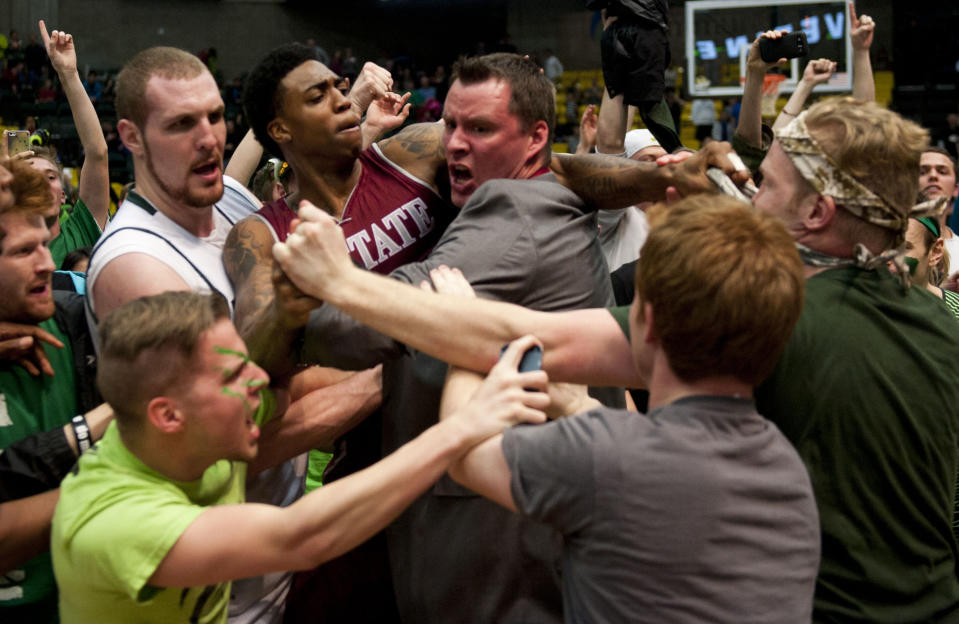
column 864, row 259
column 828, row 179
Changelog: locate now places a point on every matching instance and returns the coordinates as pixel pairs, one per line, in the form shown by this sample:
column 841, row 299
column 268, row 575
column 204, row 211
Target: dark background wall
column 432, row 30
column 919, row 39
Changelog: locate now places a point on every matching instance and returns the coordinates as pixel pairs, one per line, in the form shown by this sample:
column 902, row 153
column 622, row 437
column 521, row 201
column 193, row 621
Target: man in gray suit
column 520, row 237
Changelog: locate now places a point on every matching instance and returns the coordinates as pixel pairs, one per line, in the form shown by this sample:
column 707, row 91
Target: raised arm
column 384, row 114
column 750, row 112
column 245, row 158
column 816, row 72
column 372, row 83
column 861, row 33
column 418, row 149
column 611, row 127
column 585, row 346
column 95, row 172
column 587, row 130
column 341, row 515
column 611, row 182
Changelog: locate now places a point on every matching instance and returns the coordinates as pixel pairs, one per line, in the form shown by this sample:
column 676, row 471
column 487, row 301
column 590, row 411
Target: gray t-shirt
column 700, row 511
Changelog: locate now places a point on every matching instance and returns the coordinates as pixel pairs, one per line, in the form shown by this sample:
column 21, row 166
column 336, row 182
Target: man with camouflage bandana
column 866, row 389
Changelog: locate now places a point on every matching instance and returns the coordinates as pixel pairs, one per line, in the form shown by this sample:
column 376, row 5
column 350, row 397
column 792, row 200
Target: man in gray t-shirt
column 700, row 510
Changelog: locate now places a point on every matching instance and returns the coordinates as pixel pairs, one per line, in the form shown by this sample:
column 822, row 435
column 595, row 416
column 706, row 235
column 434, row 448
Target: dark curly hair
column 262, row 93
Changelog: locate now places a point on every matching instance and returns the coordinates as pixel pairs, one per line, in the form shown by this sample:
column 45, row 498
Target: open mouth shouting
column 208, row 170
column 40, row 290
column 461, row 179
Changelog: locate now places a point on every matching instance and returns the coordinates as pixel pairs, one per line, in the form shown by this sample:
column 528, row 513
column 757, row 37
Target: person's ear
column 935, row 252
column 278, row 131
column 131, row 136
column 165, row 415
column 818, row 211
column 538, row 137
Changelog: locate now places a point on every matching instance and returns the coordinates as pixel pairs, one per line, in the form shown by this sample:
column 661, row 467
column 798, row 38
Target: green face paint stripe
column 239, row 354
column 227, row 372
column 232, row 393
column 236, row 395
column 255, row 383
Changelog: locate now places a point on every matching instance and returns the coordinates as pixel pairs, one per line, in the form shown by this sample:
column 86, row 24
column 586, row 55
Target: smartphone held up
column 789, row 46
column 17, row 141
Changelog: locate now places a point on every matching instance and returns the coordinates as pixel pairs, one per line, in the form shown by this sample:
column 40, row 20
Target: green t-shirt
column 78, row 229
column 867, row 392
column 621, row 315
column 114, row 524
column 31, row 405
column 317, row 463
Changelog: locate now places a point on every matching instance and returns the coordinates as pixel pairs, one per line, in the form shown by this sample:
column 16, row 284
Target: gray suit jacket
column 529, row 242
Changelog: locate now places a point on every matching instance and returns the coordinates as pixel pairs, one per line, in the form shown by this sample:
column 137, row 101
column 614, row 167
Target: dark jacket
column 39, row 462
column 654, row 12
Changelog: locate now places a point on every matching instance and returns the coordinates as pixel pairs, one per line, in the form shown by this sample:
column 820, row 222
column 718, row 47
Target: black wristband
column 81, row 432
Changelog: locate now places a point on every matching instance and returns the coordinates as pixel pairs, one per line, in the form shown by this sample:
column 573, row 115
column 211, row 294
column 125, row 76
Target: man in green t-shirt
column 150, row 528
column 45, row 381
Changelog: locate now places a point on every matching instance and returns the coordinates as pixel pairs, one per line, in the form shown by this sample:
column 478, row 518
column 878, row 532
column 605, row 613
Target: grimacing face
column 483, row 139
column 26, row 269
column 316, row 114
column 223, row 396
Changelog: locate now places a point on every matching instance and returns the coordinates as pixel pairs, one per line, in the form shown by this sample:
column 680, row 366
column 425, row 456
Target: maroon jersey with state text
column 390, row 219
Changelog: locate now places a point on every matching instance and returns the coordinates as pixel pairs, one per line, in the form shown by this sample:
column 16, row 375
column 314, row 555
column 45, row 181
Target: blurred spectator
column 675, row 104
column 93, row 87
column 336, row 63
column 46, row 93
column 109, row 89
column 723, row 127
column 14, row 51
column 703, row 115
column 321, row 54
column 426, row 90
column 948, row 135
column 77, row 260
column 552, row 66
column 572, row 103
column 34, row 55
column 351, row 66
column 441, row 82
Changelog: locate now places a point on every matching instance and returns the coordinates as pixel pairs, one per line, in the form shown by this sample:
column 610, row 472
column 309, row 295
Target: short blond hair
column 163, row 61
column 146, row 346
column 726, row 287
